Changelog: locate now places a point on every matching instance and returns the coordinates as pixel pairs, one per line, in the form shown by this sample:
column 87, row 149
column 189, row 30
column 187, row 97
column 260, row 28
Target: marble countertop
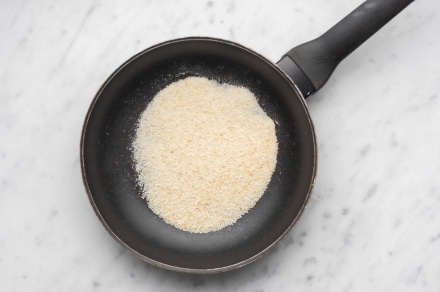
column 373, row 221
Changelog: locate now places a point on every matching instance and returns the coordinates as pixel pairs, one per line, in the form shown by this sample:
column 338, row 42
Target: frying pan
column 109, row 129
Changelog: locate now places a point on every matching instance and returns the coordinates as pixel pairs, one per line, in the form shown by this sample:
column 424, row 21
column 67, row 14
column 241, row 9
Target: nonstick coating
column 108, row 167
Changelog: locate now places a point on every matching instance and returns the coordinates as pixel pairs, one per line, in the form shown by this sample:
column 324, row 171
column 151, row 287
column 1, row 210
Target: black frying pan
column 109, row 130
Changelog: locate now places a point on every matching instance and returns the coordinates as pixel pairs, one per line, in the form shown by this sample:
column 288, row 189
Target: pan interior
column 108, row 167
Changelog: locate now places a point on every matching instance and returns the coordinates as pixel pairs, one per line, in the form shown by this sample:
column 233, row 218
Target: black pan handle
column 311, row 64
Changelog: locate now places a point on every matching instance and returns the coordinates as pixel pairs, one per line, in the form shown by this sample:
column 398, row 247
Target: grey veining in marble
column 373, row 222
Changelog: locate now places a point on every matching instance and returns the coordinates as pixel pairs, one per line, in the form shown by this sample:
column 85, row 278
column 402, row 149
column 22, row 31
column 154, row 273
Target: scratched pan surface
column 108, row 167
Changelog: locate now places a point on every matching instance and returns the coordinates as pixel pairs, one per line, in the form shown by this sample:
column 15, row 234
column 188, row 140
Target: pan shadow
column 234, row 278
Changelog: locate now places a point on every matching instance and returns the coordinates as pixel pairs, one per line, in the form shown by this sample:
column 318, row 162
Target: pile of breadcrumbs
column 204, row 153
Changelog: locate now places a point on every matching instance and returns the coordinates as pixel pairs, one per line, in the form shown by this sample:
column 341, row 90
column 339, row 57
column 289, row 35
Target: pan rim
column 176, row 268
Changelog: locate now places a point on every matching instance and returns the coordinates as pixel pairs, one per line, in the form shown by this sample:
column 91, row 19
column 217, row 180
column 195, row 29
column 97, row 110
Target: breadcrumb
column 204, row 153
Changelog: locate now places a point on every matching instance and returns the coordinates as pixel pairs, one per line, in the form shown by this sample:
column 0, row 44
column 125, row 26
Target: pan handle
column 311, row 64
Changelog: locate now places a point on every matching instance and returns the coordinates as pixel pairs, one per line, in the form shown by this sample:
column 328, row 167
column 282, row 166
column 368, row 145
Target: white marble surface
column 373, row 222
